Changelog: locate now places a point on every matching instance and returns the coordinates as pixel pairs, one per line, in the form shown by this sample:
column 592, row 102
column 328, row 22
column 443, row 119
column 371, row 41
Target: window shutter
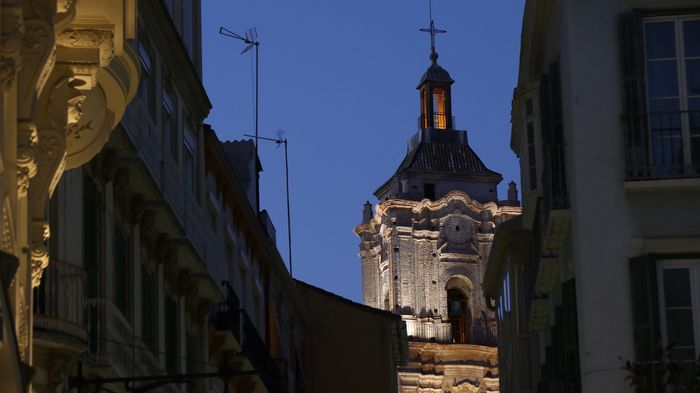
column 631, row 36
column 645, row 306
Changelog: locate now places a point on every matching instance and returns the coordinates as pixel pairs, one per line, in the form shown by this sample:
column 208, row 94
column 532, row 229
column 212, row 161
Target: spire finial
column 433, row 31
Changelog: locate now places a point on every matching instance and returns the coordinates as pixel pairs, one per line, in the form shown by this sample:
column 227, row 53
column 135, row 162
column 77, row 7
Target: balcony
column 662, row 145
column 60, row 307
column 113, row 343
column 555, row 196
column 225, row 317
column 484, row 332
column 230, row 318
column 440, row 121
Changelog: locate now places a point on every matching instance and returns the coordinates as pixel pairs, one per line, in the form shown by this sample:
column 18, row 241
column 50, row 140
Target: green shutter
column 645, row 307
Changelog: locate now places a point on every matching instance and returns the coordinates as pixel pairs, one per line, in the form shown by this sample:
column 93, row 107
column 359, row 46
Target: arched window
column 459, row 314
column 439, row 108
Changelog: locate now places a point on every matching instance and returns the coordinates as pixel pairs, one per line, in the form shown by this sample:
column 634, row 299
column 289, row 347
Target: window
column 459, row 314
column 672, row 62
column 169, row 131
column 188, row 19
column 429, row 191
column 92, row 241
column 169, row 6
column 121, row 255
column 679, row 307
column 190, row 163
column 504, row 298
column 172, row 360
column 149, row 310
column 439, row 111
column 147, row 83
column 531, row 155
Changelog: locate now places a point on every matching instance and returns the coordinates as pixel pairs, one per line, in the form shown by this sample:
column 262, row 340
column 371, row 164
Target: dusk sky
column 339, row 77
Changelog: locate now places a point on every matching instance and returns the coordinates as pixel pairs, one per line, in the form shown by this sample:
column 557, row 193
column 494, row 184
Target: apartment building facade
column 602, row 266
column 159, row 263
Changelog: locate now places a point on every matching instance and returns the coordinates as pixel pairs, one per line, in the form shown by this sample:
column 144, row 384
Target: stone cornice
column 426, row 205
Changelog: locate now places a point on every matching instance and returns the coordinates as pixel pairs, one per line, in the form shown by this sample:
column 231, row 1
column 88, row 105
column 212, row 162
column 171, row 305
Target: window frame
column 169, row 106
column 693, row 265
column 681, row 79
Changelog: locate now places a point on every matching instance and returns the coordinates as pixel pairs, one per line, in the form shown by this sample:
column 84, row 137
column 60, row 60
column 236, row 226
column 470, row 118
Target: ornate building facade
column 67, row 76
column 423, row 249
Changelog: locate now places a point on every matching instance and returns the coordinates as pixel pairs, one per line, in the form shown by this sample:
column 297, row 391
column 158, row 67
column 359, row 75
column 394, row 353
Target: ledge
column 663, row 184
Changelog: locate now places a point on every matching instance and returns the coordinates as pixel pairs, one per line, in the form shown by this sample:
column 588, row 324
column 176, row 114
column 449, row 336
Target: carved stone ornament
column 40, row 260
column 10, row 43
column 89, row 38
column 26, row 160
column 39, row 252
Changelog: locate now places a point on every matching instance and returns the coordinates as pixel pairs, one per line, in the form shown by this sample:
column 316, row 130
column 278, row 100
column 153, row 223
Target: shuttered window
column 149, row 311
column 172, row 359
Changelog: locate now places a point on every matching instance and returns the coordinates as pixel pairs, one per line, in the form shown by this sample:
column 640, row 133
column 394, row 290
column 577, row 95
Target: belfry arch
column 459, row 309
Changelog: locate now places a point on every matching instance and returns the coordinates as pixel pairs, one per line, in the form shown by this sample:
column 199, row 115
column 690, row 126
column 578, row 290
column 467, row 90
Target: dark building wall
column 350, row 347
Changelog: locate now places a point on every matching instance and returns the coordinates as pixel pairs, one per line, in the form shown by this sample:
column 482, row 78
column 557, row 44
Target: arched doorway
column 458, row 310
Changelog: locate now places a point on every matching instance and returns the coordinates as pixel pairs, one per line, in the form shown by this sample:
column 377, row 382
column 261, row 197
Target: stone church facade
column 425, row 245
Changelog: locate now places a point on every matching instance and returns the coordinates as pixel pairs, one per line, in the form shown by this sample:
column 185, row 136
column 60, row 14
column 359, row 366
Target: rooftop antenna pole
column 283, row 141
column 251, row 38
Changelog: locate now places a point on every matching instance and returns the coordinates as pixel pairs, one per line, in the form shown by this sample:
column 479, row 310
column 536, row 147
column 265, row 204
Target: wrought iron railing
column 60, row 301
column 440, row 120
column 229, row 316
column 554, row 182
column 226, row 316
column 114, row 344
column 662, row 145
column 484, row 332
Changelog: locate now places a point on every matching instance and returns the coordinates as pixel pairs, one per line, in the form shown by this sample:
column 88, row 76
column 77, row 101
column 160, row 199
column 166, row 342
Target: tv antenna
column 280, row 140
column 250, row 37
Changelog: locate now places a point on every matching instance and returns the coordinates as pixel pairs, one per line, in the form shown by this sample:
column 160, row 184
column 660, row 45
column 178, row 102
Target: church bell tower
column 424, row 246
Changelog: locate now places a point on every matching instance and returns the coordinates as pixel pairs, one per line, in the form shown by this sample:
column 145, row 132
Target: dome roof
column 435, row 73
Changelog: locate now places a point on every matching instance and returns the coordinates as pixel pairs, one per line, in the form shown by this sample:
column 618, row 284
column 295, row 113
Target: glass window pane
column 694, row 115
column 665, row 115
column 695, row 151
column 691, row 38
column 692, row 76
column 660, row 40
column 679, row 325
column 662, row 78
column 677, row 287
column 667, row 151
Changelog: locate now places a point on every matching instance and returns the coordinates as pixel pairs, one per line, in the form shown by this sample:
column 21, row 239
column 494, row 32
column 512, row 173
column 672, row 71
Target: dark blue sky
column 339, row 77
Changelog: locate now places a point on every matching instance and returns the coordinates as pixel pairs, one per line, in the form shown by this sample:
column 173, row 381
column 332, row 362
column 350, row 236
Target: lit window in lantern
column 439, row 111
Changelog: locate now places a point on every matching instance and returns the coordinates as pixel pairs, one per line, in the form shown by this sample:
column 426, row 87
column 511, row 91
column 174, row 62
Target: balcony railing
column 228, row 316
column 113, row 343
column 662, row 145
column 60, row 303
column 439, row 121
column 484, row 332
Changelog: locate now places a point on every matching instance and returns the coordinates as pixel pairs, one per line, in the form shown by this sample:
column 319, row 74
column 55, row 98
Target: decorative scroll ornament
column 39, row 252
column 10, row 43
column 26, row 160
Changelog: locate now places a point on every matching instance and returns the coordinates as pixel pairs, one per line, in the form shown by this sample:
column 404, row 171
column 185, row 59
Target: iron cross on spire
column 433, row 31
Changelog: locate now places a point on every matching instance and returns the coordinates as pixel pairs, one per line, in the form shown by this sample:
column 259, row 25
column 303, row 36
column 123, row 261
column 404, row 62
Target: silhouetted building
column 423, row 251
column 329, row 355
